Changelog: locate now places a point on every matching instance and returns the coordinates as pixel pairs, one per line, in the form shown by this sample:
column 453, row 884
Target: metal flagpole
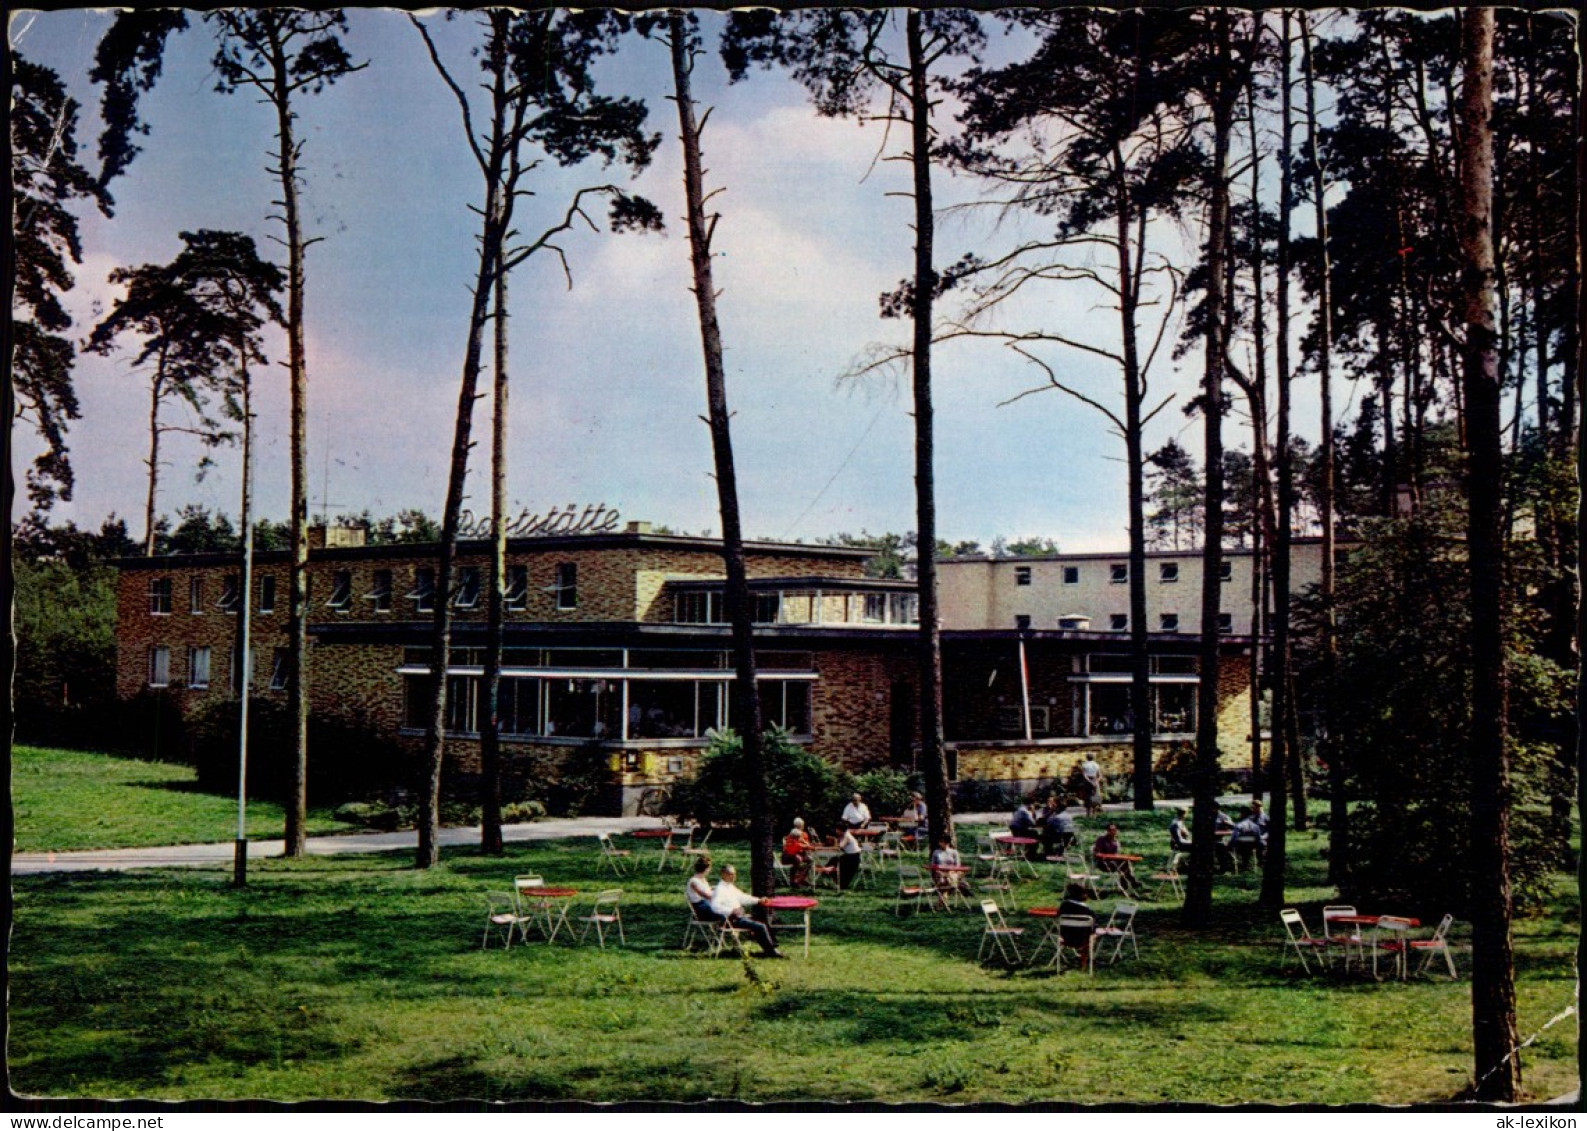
column 240, row 865
column 1024, row 685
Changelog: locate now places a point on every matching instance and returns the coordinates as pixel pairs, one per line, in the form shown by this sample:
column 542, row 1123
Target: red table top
column 549, row 893
column 860, row 834
column 1118, row 856
column 1366, row 920
column 646, row 834
column 1010, row 838
column 950, row 867
column 1042, row 912
column 790, row 902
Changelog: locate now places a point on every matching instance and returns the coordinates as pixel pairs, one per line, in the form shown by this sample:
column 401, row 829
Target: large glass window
column 583, row 708
column 1110, row 708
column 786, row 703
column 1176, row 708
column 670, row 708
column 462, row 704
column 519, row 706
column 699, row 607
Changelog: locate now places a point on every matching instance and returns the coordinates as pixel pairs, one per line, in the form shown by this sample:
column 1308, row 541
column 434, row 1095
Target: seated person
column 729, row 903
column 796, row 853
column 947, row 856
column 915, row 817
column 1023, row 822
column 1057, row 829
column 1078, row 938
column 856, row 814
column 1223, row 828
column 849, row 860
column 1245, row 842
column 698, row 892
column 1260, row 817
column 1178, row 833
column 1108, row 845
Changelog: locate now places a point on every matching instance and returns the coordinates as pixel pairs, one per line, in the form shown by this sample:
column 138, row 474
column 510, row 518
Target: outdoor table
column 553, row 904
column 951, row 874
column 1124, row 857
column 794, row 903
column 1370, row 922
column 664, row 835
column 1014, row 844
column 1049, row 932
column 866, row 834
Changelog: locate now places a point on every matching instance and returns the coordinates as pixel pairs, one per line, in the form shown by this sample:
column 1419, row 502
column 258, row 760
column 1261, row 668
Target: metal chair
column 605, row 914
column 1169, row 879
column 913, row 889
column 697, row 848
column 1349, row 936
column 502, row 916
column 531, row 909
column 1120, row 926
column 1438, row 944
column 611, row 856
column 670, row 849
column 1004, row 939
column 1397, row 947
column 1078, row 923
column 1302, row 942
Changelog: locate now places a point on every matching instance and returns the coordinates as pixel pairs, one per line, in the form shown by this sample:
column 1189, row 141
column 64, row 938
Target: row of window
column 1104, row 709
column 199, row 666
column 708, row 606
column 533, row 707
column 465, row 594
column 1119, row 573
column 1120, row 622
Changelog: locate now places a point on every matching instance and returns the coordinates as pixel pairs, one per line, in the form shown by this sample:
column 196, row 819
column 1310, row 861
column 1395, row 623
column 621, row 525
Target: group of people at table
column 801, row 845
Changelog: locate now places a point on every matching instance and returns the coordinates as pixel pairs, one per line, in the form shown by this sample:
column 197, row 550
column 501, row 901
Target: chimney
column 317, row 536
column 639, row 528
column 348, row 537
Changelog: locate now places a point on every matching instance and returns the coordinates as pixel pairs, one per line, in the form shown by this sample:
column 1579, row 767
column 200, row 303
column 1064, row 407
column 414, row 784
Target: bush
column 799, row 782
column 885, row 791
column 583, row 783
column 517, row 812
column 976, row 796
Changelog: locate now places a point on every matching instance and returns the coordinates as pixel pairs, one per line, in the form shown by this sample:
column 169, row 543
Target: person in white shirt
column 729, row 902
column 849, row 862
column 1091, row 771
column 698, row 892
column 856, row 815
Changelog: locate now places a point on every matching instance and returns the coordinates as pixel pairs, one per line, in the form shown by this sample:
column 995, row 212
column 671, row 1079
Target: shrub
column 517, row 812
column 885, row 791
column 976, row 796
column 583, row 782
column 799, row 782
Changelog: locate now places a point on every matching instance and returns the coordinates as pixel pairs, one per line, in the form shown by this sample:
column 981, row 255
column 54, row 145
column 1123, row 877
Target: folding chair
column 1003, row 938
column 1076, row 872
column 1344, row 935
column 531, row 909
column 784, row 876
column 913, row 889
column 670, row 848
column 1120, row 926
column 890, row 846
column 706, row 931
column 693, row 849
column 1438, row 944
column 611, row 856
column 986, row 855
column 1169, row 879
column 1078, row 923
column 1303, row 942
column 502, row 916
column 1397, row 947
column 824, row 868
column 605, row 914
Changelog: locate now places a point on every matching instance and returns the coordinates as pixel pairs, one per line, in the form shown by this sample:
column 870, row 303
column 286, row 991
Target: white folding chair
column 1120, row 926
column 912, row 889
column 1302, row 942
column 671, row 849
column 502, row 916
column 707, row 932
column 1438, row 944
column 531, row 909
column 1346, row 935
column 605, row 914
column 1169, row 879
column 611, row 856
column 1077, row 923
column 697, row 848
column 1396, row 925
column 1003, row 939
column 1076, row 872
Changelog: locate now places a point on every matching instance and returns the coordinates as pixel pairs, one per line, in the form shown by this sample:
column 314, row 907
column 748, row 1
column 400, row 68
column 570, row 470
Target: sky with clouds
column 607, row 377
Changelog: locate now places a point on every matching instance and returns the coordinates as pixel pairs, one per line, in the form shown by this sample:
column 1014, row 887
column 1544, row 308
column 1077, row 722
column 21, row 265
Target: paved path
column 220, row 855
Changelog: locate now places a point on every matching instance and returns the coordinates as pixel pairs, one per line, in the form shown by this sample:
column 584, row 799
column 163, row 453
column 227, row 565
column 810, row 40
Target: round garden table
column 794, row 903
column 553, row 905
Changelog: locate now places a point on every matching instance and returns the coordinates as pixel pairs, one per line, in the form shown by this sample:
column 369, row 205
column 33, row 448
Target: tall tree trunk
column 934, row 761
column 740, row 610
column 244, row 620
column 490, row 733
column 1261, row 487
column 1198, row 894
column 297, row 370
column 155, row 395
column 1274, row 865
column 495, row 221
column 1498, row 1073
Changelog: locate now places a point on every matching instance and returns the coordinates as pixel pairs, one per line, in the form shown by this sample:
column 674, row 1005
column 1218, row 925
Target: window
column 704, row 607
column 1119, row 573
column 159, row 596
column 873, row 608
column 467, row 588
column 195, row 595
column 673, row 708
column 1119, row 622
column 1226, row 570
column 1071, row 575
column 768, row 608
column 516, row 594
column 1167, row 572
column 278, row 669
column 1225, row 622
column 1021, row 621
column 379, row 595
column 567, row 585
column 462, row 704
column 159, row 665
column 230, row 593
column 267, row 595
column 1074, row 622
column 423, row 594
column 198, row 668
column 341, row 590
column 519, row 706
column 903, row 608
column 1168, row 622
column 786, row 703
column 1022, row 575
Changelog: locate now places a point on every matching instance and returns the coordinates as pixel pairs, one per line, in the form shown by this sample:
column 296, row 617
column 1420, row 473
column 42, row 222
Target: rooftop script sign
column 596, row 518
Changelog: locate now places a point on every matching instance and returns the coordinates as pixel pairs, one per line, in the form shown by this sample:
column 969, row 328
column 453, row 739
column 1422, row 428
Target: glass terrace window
column 699, row 607
column 230, row 593
column 198, row 668
column 267, row 595
column 467, row 588
column 1119, row 573
column 768, row 608
column 1167, row 572
column 567, row 585
column 516, row 594
column 423, row 593
column 159, row 596
column 159, row 666
column 873, row 607
column 341, row 590
column 1022, row 575
column 903, row 608
column 379, row 595
column 195, row 595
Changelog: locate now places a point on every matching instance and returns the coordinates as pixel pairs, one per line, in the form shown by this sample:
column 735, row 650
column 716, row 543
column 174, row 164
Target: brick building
column 618, row 640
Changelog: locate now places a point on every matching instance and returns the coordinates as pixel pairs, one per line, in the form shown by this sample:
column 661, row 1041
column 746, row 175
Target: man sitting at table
column 1223, row 828
column 1178, row 833
column 1077, row 938
column 1108, row 845
column 728, row 902
column 1246, row 841
column 856, row 814
column 796, row 853
column 1057, row 828
column 914, row 816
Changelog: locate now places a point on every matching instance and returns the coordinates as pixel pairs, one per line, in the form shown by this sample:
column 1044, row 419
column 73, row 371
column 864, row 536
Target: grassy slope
column 359, row 978
column 65, row 800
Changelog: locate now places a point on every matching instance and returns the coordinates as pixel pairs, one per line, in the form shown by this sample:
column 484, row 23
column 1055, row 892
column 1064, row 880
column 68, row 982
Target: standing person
column 730, row 903
column 849, row 861
column 856, row 814
column 1091, row 772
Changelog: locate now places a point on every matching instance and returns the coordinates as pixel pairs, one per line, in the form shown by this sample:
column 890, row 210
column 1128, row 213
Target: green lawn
column 64, row 800
column 358, row 978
